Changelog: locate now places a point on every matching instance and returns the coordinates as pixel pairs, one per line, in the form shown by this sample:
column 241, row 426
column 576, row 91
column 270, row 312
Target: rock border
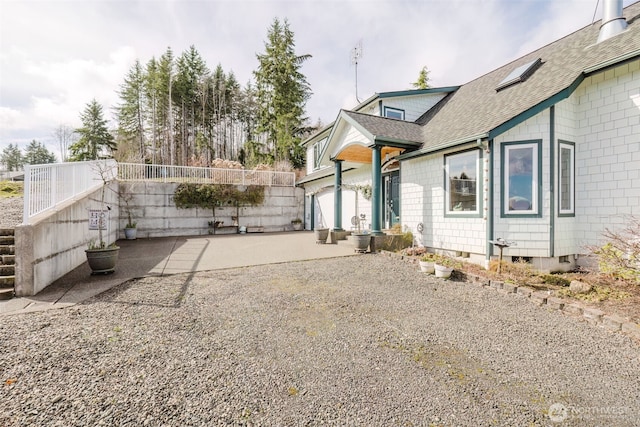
column 593, row 316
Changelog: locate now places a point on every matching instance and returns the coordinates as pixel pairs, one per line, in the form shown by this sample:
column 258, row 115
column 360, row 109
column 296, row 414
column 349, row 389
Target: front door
column 392, row 199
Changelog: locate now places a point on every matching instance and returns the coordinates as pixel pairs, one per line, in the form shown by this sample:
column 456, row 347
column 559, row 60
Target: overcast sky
column 55, row 56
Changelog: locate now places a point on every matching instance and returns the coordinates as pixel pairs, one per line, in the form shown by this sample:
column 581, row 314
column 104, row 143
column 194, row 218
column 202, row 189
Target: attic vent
column 520, row 74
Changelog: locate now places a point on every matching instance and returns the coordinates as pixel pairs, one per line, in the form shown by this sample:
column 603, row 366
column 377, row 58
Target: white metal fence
column 48, row 186
column 165, row 173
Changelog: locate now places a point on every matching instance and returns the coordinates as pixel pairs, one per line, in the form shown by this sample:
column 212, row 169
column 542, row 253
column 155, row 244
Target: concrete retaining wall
column 152, row 207
column 53, row 244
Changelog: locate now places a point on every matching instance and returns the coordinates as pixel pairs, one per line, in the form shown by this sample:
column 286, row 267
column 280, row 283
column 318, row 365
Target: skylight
column 519, row 74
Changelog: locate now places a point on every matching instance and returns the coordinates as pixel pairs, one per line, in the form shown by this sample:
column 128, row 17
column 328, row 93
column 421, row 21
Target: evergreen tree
column 282, row 92
column 423, row 79
column 37, row 154
column 11, row 158
column 95, row 141
column 131, row 112
column 187, row 97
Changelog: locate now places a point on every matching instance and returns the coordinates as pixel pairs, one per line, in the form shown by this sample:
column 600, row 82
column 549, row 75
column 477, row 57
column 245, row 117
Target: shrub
column 620, row 256
column 553, row 279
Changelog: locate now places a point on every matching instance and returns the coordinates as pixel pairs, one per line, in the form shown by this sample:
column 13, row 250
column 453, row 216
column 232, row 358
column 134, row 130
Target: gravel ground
column 10, row 211
column 363, row 340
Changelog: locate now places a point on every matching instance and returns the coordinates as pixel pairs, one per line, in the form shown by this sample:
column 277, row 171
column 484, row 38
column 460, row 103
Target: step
column 7, row 240
column 7, row 250
column 6, row 293
column 7, row 259
column 7, row 281
column 7, row 270
column 7, row 232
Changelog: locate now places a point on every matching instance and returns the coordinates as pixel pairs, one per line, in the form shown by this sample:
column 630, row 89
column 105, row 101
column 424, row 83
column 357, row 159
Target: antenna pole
column 356, row 53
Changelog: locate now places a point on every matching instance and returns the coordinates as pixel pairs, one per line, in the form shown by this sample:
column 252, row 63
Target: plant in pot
column 361, row 238
column 444, row 266
column 130, row 228
column 297, row 224
column 321, row 233
column 101, row 255
column 427, row 263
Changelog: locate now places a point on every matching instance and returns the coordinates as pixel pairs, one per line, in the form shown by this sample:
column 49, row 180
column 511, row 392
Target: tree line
column 174, row 110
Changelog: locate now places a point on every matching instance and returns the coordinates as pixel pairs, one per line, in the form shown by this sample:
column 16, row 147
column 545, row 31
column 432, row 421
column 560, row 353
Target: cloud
column 55, row 56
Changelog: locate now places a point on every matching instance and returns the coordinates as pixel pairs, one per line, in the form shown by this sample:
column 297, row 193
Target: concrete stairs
column 7, row 263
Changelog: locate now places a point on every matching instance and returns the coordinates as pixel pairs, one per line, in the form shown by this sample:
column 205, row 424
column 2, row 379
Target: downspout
column 489, row 206
column 552, row 181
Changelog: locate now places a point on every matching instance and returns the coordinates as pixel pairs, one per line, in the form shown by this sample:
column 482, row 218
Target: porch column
column 337, row 197
column 376, row 192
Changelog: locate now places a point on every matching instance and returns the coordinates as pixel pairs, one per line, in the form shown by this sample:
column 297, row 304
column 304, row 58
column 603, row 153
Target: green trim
column 536, row 109
column 337, row 197
column 503, row 212
column 442, row 147
column 312, row 223
column 393, row 142
column 479, row 182
column 376, row 192
column 552, row 197
column 490, row 201
column 573, row 193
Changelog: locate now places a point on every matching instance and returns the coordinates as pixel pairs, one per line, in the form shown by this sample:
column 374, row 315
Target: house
column 543, row 152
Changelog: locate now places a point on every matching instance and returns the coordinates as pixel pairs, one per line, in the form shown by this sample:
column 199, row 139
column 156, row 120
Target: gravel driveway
column 363, row 340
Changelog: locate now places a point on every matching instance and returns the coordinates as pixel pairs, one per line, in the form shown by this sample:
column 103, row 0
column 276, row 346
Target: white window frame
column 535, row 178
column 571, row 188
column 447, row 182
column 386, row 110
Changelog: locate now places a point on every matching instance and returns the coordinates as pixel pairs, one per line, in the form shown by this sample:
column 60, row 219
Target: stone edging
column 593, row 316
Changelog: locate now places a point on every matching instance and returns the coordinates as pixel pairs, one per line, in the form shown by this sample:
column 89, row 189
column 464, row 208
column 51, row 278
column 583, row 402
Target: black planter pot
column 102, row 261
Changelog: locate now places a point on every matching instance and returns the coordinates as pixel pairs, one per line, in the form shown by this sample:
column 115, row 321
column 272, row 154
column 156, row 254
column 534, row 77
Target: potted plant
column 101, row 255
column 360, row 237
column 321, row 234
column 297, row 224
column 427, row 263
column 444, row 266
column 130, row 230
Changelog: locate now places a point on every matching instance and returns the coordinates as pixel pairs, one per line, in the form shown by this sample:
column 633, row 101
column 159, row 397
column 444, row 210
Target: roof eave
column 441, row 147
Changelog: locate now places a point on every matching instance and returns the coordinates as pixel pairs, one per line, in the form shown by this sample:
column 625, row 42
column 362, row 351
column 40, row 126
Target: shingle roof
column 477, row 108
column 386, row 129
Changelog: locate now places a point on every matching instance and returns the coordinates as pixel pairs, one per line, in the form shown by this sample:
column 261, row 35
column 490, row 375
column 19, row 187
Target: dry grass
column 11, row 189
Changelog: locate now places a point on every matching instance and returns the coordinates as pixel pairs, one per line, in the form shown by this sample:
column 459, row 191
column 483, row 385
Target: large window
column 461, row 178
column 521, row 178
column 566, row 174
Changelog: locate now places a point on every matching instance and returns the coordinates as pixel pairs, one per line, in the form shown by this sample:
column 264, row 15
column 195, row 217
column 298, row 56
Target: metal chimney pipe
column 613, row 22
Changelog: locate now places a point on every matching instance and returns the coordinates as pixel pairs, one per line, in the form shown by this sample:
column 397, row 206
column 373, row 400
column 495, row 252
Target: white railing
column 47, row 186
column 165, row 173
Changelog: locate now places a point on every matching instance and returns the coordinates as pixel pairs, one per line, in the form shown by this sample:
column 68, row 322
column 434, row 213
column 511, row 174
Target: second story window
column 393, row 113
